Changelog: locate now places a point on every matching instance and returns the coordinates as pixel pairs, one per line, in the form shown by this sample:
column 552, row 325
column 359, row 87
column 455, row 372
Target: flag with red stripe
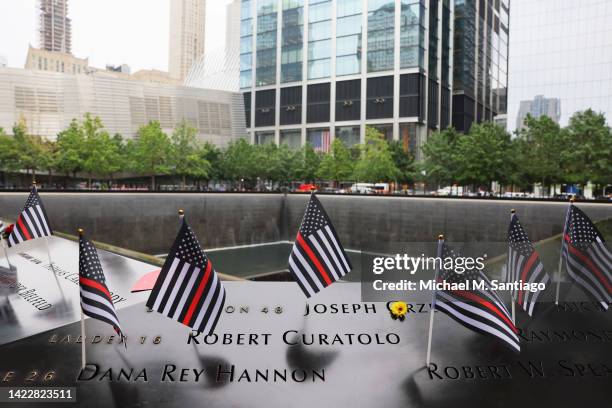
column 318, row 258
column 587, row 258
column 32, row 221
column 477, row 308
column 96, row 299
column 523, row 265
column 188, row 289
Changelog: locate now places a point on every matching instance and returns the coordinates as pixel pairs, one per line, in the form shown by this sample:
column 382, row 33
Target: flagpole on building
column 49, row 253
column 433, row 302
column 512, row 212
column 83, row 357
column 561, row 252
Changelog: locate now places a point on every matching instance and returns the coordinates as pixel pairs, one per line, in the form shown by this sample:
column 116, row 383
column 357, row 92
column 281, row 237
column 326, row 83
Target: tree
column 484, row 155
column 440, row 162
column 186, row 159
column 308, row 163
column 404, row 161
column 538, row 152
column 70, row 142
column 213, row 155
column 9, row 153
column 337, row 165
column 588, row 149
column 151, row 152
column 102, row 154
column 376, row 162
column 238, row 161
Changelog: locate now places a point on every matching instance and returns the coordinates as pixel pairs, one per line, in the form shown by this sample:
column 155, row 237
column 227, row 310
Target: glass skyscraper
column 315, row 70
column 480, row 74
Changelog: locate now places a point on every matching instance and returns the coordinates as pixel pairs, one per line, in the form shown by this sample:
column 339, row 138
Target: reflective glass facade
column 412, row 34
column 292, row 40
column 348, row 37
column 319, row 38
column 381, row 35
column 246, row 43
column 267, row 21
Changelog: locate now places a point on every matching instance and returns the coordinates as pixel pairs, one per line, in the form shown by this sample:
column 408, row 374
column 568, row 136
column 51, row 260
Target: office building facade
column 315, row 70
column 54, row 26
column 187, row 36
column 480, row 71
column 49, row 101
column 539, row 106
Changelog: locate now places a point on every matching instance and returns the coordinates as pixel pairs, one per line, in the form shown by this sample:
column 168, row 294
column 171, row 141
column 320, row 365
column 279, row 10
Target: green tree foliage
column 151, row 152
column 441, row 161
column 376, row 161
column 588, row 151
column 70, row 144
column 338, row 164
column 9, row 153
column 404, row 161
column 101, row 153
column 238, row 161
column 308, row 164
column 187, row 159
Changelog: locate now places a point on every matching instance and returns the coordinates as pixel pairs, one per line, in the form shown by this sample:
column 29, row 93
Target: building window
column 292, row 41
column 262, row 138
column 265, row 102
column 350, row 135
column 319, row 139
column 379, row 98
column 412, row 34
column 318, row 97
column 246, row 44
column 247, row 108
column 267, row 21
column 381, row 35
column 291, row 105
column 412, row 92
column 319, row 39
column 348, row 37
column 386, row 130
column 408, row 137
column 348, row 100
column 291, row 138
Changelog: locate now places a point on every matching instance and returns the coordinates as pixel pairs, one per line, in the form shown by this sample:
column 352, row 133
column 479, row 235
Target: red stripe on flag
column 198, row 294
column 526, row 269
column 23, row 229
column 313, row 258
column 591, row 266
column 488, row 305
column 96, row 285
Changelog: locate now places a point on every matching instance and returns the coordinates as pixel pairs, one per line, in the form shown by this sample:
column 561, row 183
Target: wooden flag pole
column 561, row 253
column 83, row 356
column 433, row 303
column 512, row 212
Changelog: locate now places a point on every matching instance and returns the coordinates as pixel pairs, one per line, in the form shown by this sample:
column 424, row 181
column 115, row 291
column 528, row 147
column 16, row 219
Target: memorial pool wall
column 147, row 222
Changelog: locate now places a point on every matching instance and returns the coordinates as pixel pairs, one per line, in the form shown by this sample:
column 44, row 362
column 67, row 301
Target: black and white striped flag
column 32, row 222
column 588, row 260
column 96, row 299
column 188, row 289
column 523, row 265
column 476, row 308
column 318, row 258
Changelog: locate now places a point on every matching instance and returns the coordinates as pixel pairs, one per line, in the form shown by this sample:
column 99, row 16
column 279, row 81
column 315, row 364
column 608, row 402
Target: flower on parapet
column 398, row 310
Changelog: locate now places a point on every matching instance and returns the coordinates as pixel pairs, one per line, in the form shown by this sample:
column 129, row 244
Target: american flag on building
column 321, row 141
column 32, row 222
column 318, row 258
column 478, row 309
column 96, row 299
column 523, row 265
column 188, row 289
column 586, row 256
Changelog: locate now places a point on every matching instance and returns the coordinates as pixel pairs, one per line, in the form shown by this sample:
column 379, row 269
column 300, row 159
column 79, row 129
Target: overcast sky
column 134, row 32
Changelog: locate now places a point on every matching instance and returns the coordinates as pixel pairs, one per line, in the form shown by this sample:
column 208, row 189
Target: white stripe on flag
column 33, row 233
column 332, row 251
column 307, row 268
column 571, row 264
column 164, row 287
column 175, row 289
column 179, row 308
column 213, row 315
column 324, row 256
column 43, row 219
column 34, row 216
column 99, row 312
column 598, row 253
column 300, row 276
column 208, row 299
column 97, row 298
column 481, row 326
column 333, row 239
column 535, row 295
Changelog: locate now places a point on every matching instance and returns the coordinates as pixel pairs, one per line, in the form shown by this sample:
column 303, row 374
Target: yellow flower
column 399, row 309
